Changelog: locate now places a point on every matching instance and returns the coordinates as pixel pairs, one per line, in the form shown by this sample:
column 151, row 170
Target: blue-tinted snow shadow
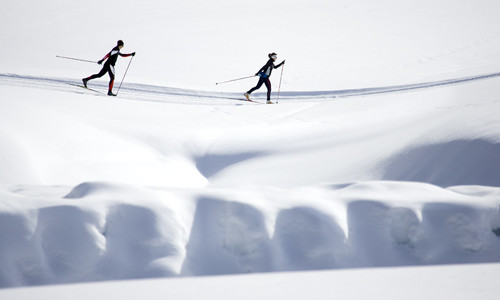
column 462, row 162
column 211, row 164
column 227, row 238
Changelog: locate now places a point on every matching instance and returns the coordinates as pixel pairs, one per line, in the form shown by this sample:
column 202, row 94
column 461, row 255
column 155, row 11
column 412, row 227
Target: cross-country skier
column 109, row 66
column 265, row 73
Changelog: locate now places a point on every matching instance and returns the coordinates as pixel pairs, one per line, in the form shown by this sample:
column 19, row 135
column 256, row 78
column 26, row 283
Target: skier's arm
column 104, row 58
column 279, row 65
column 263, row 69
column 127, row 55
column 260, row 70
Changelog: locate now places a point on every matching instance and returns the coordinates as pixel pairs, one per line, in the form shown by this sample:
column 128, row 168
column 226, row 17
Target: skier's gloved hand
column 133, row 53
column 99, row 62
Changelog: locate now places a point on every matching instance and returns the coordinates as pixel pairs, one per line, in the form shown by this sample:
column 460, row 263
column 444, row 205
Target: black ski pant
column 107, row 68
column 262, row 81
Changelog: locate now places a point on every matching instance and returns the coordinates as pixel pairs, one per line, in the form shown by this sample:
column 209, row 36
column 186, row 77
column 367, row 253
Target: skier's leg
column 259, row 84
column 111, row 73
column 98, row 75
column 268, row 86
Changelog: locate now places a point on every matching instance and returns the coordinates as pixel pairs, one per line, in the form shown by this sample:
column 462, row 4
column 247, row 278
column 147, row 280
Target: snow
column 375, row 177
column 443, row 282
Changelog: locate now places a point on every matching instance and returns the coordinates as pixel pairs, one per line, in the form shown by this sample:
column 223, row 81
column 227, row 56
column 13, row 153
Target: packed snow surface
column 436, row 282
column 383, row 151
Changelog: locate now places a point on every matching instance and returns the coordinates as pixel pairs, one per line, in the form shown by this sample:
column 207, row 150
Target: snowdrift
column 103, row 231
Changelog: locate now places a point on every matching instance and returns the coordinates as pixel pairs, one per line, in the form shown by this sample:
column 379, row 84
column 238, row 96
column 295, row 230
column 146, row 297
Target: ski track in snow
column 143, row 92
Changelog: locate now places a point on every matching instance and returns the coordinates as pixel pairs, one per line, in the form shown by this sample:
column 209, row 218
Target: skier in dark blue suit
column 265, row 73
column 109, row 66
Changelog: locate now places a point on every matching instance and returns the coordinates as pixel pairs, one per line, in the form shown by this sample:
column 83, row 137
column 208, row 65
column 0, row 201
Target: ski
column 250, row 100
column 81, row 86
column 247, row 96
column 245, row 100
column 259, row 102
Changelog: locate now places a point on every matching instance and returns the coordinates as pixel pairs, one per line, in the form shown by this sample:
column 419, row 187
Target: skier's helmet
column 273, row 55
column 119, row 43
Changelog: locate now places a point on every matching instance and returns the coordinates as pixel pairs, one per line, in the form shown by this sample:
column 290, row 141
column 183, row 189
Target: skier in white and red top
column 109, row 66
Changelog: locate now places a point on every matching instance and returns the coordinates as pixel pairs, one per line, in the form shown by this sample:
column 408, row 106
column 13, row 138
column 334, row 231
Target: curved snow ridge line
column 143, row 90
column 386, row 89
column 128, row 90
column 105, row 231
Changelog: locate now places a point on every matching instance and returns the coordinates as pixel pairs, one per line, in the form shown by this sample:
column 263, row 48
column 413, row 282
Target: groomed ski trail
column 153, row 93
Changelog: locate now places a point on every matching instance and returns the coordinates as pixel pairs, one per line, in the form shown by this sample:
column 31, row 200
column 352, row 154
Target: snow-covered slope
column 383, row 151
column 111, row 188
column 437, row 282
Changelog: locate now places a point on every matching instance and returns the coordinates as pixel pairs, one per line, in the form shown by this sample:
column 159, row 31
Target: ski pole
column 124, row 75
column 279, row 87
column 71, row 58
column 234, row 79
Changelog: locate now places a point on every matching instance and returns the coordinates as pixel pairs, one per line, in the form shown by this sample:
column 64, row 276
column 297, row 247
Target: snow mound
column 88, row 188
column 100, row 232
